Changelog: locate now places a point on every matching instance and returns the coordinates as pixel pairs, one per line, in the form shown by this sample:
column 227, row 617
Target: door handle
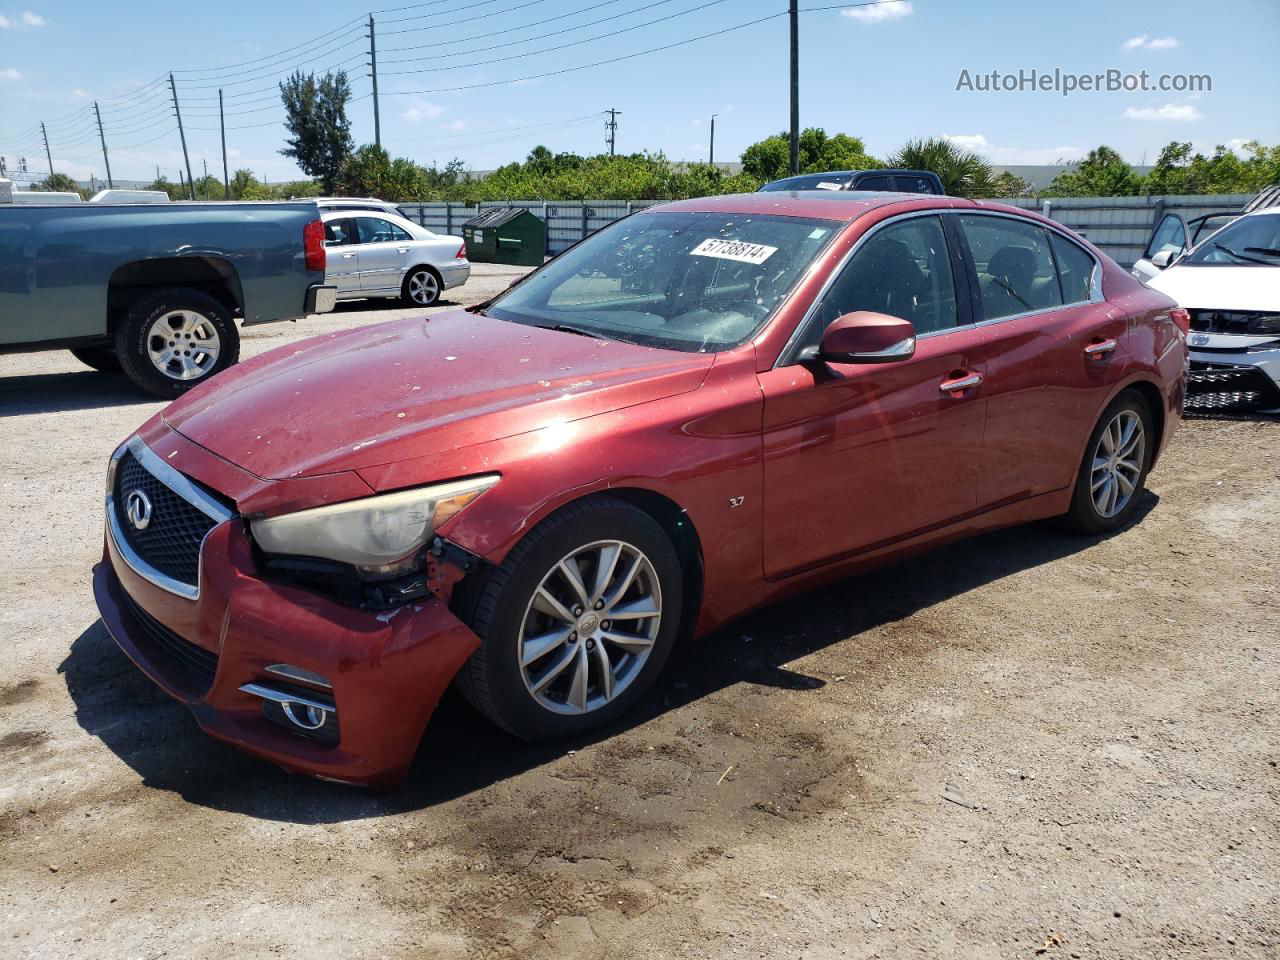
column 402, row 249
column 347, row 256
column 1101, row 348
column 961, row 383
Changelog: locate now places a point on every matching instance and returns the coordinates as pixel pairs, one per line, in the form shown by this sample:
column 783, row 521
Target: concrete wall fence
column 1118, row 225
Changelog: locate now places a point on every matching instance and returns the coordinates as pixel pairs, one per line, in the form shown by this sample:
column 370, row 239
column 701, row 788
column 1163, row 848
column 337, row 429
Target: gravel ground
column 1024, row 745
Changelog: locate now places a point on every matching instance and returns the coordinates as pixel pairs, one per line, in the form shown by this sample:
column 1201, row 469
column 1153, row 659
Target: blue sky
column 884, row 74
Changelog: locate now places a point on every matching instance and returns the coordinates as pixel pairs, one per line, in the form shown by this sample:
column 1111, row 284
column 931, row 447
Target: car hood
column 414, row 388
column 1221, row 287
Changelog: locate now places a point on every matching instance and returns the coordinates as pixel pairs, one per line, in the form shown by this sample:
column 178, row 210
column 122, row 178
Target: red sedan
column 696, row 411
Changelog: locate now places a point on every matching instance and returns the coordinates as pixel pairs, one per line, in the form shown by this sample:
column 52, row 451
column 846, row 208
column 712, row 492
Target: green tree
column 1102, row 173
column 963, row 172
column 59, row 183
column 1011, row 185
column 320, row 133
column 163, row 183
column 770, row 158
column 1179, row 171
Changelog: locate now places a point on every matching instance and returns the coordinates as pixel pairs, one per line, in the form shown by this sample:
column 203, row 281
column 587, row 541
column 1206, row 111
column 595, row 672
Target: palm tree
column 963, row 174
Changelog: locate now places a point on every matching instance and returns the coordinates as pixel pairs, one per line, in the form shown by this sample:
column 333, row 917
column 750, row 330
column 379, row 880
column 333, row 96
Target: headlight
column 380, row 536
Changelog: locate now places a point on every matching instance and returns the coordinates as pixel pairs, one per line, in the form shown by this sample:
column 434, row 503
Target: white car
column 384, row 255
column 1230, row 284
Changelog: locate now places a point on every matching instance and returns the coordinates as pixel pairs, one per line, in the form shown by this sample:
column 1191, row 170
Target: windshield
column 1249, row 241
column 697, row 282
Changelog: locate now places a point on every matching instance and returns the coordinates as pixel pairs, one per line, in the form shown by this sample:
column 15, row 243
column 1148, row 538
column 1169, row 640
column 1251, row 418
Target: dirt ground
column 1025, row 745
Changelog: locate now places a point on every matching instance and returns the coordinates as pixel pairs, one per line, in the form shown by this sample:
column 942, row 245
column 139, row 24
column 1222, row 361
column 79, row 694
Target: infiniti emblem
column 138, row 508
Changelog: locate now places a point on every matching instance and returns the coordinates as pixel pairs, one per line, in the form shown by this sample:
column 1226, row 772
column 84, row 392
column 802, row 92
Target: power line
column 562, row 46
column 498, row 33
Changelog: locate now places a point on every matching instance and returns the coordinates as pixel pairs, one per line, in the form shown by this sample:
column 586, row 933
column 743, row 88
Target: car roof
column 844, row 205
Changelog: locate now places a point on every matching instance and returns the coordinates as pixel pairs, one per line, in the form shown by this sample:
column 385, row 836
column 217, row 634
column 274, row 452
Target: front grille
column 171, row 541
column 191, row 666
column 1227, row 387
column 1235, row 321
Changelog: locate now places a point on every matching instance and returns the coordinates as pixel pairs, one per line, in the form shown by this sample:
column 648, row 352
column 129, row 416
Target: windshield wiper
column 1265, row 251
column 1240, row 256
column 567, row 328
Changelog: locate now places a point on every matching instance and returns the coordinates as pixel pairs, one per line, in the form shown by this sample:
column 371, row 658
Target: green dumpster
column 506, row 235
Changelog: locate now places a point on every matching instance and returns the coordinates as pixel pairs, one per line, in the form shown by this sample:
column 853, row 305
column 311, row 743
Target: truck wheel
column 174, row 338
column 100, row 358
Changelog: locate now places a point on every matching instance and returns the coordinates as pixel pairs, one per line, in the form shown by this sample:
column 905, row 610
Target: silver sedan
column 373, row 254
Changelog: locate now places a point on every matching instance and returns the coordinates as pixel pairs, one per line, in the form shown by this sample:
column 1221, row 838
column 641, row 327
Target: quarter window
column 1015, row 269
column 902, row 270
column 876, row 183
column 1075, row 270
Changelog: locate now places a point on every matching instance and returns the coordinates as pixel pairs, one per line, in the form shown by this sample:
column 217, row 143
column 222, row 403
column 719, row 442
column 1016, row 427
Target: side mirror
column 1163, row 258
column 865, row 337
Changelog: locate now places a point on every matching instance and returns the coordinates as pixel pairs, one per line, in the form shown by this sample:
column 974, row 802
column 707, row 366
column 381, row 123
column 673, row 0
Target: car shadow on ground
column 358, row 306
column 462, row 753
column 60, row 392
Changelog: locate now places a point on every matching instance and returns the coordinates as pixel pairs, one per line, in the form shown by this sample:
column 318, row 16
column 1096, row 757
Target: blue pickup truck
column 156, row 290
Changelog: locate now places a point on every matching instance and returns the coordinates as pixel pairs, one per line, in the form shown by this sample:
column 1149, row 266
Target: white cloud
column 78, row 92
column 1236, row 146
column 10, row 74
column 32, row 19
column 1145, row 42
column 1181, row 113
column 5, row 22
column 880, row 12
column 457, row 126
column 422, row 110
column 1014, row 156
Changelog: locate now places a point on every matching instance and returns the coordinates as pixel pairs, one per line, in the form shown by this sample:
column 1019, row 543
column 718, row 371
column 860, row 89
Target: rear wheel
column 100, row 358
column 576, row 623
column 1114, row 470
column 173, row 339
column 421, row 288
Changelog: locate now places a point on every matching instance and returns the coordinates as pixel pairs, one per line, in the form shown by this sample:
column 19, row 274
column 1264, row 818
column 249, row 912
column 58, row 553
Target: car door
column 384, row 249
column 342, row 257
column 860, row 455
column 1051, row 348
column 1170, row 235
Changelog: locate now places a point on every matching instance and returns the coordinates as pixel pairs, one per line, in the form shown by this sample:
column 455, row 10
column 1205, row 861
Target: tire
column 1087, row 514
column 99, row 358
column 204, row 340
column 499, row 607
column 421, row 288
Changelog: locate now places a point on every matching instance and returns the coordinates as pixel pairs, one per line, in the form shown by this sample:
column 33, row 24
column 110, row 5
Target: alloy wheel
column 589, row 627
column 1118, row 459
column 424, row 288
column 183, row 344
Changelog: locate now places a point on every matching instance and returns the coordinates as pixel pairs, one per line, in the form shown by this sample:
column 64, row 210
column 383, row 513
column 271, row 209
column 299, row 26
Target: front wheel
column 576, row 623
column 172, row 339
column 421, row 288
column 1114, row 470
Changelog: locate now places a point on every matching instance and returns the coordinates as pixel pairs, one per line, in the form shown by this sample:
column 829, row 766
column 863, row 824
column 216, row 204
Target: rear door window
column 911, row 184
column 337, row 233
column 377, row 230
column 1075, row 269
column 1016, row 272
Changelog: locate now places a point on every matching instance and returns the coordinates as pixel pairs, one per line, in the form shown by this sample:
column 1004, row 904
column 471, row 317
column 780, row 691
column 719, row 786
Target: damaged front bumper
column 284, row 673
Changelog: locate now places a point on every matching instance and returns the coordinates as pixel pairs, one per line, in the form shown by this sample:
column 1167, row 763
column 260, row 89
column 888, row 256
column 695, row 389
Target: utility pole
column 711, row 158
column 612, row 126
column 191, row 184
column 47, row 155
column 102, row 137
column 795, row 88
column 373, row 65
column 182, row 183
column 222, row 125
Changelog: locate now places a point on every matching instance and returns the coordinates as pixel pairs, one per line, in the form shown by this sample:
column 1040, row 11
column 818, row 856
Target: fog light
column 305, row 712
column 306, row 715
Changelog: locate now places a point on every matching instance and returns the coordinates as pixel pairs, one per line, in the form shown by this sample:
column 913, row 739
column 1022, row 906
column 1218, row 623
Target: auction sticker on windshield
column 740, row 250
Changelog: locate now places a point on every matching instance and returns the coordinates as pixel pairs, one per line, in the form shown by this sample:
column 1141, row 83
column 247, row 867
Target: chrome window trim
column 1095, row 286
column 185, row 489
